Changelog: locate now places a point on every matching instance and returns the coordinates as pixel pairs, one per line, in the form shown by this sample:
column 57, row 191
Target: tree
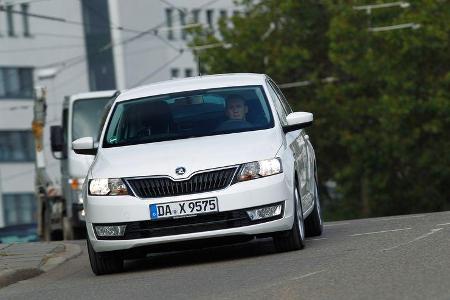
column 381, row 131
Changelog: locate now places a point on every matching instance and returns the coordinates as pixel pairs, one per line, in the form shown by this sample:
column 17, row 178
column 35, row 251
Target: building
column 75, row 46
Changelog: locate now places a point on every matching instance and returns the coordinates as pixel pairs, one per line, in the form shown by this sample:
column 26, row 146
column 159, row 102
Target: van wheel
column 104, row 262
column 67, row 228
column 314, row 222
column 293, row 239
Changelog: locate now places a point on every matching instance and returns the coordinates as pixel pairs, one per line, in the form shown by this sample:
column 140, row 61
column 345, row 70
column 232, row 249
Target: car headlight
column 107, row 187
column 258, row 169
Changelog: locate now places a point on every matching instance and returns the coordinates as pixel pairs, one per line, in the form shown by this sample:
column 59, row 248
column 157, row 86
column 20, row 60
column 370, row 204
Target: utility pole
column 42, row 181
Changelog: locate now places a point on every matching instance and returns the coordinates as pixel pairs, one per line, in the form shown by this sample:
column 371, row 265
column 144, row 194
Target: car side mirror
column 298, row 120
column 84, row 145
column 56, row 138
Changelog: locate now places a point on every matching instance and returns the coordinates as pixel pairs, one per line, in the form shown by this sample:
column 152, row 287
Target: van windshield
column 188, row 114
column 87, row 114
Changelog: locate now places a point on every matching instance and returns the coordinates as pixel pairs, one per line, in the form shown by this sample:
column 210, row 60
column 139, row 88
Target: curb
column 59, row 255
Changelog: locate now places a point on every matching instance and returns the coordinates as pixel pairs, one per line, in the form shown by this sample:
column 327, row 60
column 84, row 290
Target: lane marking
column 445, row 224
column 383, row 231
column 397, row 218
column 433, row 231
column 307, row 275
column 319, row 239
column 291, row 279
column 337, row 224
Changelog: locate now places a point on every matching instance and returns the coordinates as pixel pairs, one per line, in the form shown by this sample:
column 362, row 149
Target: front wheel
column 314, row 222
column 104, row 262
column 293, row 239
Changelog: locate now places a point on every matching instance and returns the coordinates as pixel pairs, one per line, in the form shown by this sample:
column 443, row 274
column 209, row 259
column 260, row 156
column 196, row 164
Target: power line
column 160, row 68
column 151, row 31
column 80, row 58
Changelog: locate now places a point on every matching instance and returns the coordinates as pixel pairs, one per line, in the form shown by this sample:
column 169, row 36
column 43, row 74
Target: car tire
column 104, row 262
column 293, row 239
column 68, row 233
column 314, row 222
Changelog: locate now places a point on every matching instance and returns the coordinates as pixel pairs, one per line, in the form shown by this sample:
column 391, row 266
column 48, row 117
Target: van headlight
column 107, row 187
column 258, row 169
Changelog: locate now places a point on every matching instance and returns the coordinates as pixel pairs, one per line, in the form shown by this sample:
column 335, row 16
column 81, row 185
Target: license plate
column 183, row 208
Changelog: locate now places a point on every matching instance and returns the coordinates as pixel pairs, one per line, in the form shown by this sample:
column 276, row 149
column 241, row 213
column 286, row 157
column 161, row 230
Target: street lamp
column 370, row 7
column 401, row 4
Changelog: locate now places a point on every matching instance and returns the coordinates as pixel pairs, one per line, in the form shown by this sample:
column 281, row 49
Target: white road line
column 319, row 239
column 445, row 224
column 307, row 275
column 433, row 231
column 269, row 286
column 335, row 224
column 396, row 218
column 384, row 231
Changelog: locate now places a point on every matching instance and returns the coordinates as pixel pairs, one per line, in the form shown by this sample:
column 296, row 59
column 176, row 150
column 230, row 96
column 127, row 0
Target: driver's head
column 236, row 108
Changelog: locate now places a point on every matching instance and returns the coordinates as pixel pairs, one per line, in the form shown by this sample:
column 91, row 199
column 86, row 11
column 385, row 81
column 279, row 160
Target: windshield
column 87, row 114
column 188, row 114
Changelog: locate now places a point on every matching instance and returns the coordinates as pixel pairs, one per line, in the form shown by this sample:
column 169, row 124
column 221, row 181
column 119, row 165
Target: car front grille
column 155, row 187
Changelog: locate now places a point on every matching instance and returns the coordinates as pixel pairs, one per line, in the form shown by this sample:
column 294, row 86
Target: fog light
column 110, row 230
column 264, row 212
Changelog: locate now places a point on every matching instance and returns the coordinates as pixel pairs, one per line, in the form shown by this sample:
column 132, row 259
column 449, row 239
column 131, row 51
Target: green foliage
column 381, row 131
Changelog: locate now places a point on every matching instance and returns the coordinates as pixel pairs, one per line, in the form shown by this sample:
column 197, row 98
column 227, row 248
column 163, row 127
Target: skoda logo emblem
column 180, row 171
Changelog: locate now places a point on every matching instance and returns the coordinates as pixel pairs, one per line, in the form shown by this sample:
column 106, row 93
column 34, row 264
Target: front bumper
column 237, row 197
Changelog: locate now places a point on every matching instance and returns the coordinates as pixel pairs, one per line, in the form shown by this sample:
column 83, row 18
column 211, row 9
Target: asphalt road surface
column 404, row 257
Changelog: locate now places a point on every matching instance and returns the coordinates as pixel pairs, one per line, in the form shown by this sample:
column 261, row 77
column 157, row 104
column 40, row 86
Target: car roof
column 193, row 83
column 89, row 95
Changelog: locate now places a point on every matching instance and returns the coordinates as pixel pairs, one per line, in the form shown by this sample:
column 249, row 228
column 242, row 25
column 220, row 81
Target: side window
column 283, row 100
column 278, row 105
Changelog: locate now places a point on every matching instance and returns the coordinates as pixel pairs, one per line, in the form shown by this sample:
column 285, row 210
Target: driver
column 236, row 108
column 236, row 111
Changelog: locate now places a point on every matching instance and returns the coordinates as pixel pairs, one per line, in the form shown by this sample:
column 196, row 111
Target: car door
column 303, row 159
column 296, row 142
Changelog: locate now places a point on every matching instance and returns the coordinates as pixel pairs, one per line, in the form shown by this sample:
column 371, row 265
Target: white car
column 210, row 158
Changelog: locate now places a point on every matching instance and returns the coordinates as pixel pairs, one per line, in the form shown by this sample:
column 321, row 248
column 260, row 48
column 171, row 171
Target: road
column 404, row 257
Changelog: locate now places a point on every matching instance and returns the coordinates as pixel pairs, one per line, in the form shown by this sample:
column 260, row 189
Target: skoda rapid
column 195, row 160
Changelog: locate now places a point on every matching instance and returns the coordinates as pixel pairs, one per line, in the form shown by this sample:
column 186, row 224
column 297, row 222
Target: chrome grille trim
column 198, row 182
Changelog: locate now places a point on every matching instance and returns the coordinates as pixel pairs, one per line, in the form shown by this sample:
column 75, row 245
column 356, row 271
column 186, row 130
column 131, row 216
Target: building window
column 16, row 146
column 169, row 23
column 10, row 20
column 183, row 23
column 19, row 209
column 196, row 16
column 174, row 73
column 223, row 14
column 16, row 83
column 25, row 22
column 188, row 72
column 209, row 18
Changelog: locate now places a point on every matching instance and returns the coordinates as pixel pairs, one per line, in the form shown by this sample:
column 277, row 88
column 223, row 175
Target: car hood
column 194, row 154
